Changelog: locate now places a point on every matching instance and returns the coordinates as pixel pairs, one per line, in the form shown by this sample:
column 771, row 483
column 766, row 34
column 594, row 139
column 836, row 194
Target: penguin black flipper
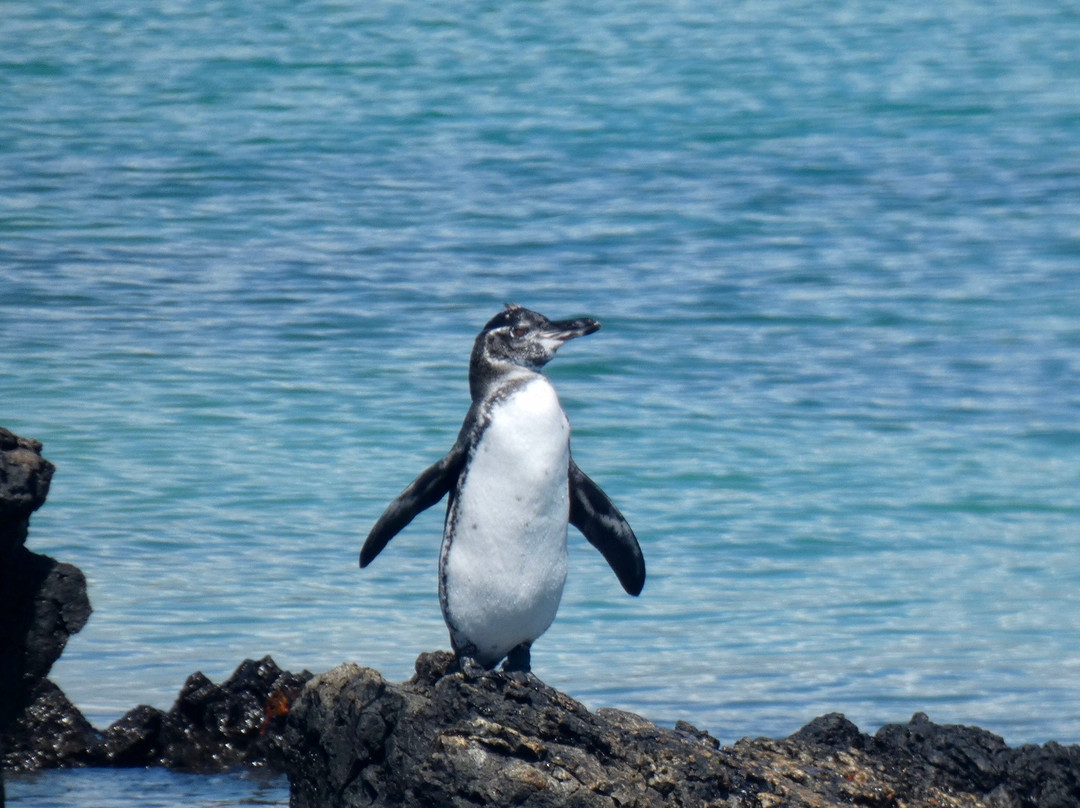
column 432, row 485
column 599, row 520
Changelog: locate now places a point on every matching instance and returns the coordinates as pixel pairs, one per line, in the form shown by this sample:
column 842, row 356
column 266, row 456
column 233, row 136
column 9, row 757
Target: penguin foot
column 519, row 659
column 469, row 667
column 524, row 678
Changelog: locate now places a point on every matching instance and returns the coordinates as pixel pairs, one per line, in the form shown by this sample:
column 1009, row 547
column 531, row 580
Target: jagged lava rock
column 211, row 727
column 50, row 732
column 496, row 739
column 25, row 477
column 44, row 601
column 977, row 761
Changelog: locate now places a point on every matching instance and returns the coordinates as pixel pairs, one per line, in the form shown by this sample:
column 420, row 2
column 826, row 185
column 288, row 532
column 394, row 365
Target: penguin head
column 519, row 337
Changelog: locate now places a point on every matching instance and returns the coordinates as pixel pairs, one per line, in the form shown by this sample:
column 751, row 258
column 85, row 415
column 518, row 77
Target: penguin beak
column 566, row 330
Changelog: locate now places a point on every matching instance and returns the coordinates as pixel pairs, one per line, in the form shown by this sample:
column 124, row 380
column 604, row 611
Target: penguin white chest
column 503, row 564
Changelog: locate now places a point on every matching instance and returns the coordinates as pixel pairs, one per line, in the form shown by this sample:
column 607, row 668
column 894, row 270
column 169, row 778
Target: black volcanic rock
column 832, row 731
column 211, row 727
column 216, row 727
column 964, row 758
column 1047, row 776
column 974, row 760
column 50, row 732
column 44, row 602
column 495, row 739
column 24, row 483
column 134, row 740
column 47, row 603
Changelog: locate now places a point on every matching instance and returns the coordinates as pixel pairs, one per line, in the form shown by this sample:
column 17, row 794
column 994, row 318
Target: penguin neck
column 487, row 374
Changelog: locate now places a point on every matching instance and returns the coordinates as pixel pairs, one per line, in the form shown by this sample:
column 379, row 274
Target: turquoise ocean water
column 835, row 248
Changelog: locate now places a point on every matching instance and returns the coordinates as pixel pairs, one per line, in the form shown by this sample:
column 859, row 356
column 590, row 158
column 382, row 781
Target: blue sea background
column 835, row 248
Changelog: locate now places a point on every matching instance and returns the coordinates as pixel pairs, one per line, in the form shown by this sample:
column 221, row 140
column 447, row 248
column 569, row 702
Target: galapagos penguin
column 514, row 487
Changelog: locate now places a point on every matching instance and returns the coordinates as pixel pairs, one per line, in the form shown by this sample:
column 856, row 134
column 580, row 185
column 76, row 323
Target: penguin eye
column 519, row 332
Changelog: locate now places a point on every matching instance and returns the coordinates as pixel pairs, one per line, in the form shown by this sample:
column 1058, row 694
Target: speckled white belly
column 504, row 567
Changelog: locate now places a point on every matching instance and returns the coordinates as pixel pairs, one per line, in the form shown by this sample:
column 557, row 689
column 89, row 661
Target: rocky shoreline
column 44, row 601
column 349, row 738
column 210, row 728
column 448, row 739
